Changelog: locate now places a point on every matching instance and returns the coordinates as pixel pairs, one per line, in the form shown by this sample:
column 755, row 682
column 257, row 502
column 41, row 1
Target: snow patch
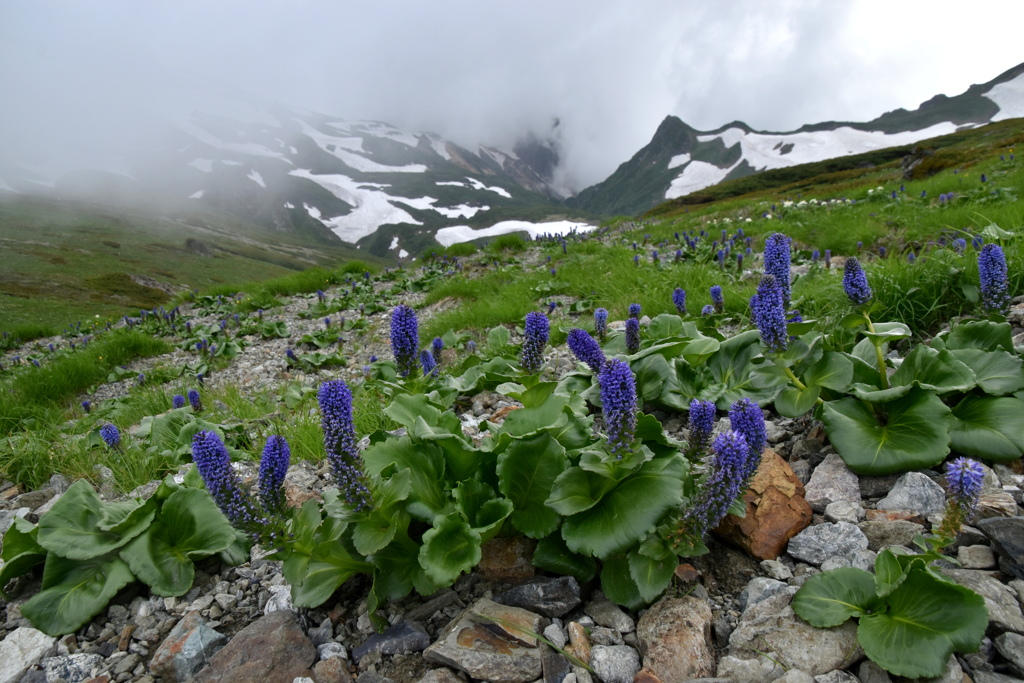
column 204, row 165
column 344, row 149
column 440, row 147
column 461, row 211
column 402, row 253
column 196, row 195
column 289, row 205
column 696, row 176
column 312, row 211
column 463, row 233
column 249, row 148
column 230, row 162
column 371, row 208
column 1009, row 97
column 255, row 176
column 678, row 160
column 476, row 185
column 394, row 242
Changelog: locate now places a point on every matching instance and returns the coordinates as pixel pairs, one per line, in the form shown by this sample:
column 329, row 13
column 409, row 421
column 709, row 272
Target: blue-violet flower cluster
column 769, row 314
column 585, row 348
column 776, row 262
column 992, row 277
column 405, row 339
column 273, row 468
column 618, row 400
column 335, row 400
column 535, row 339
column 855, row 282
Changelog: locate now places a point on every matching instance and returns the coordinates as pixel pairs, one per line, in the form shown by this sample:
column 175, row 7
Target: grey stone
column 760, row 588
column 976, row 557
column 874, row 487
column 402, row 638
column 7, row 519
column 817, row 543
column 483, row 653
column 441, row 675
column 555, row 666
column 883, row 532
column 606, row 613
column 831, row 481
column 555, row 635
column 1004, row 613
column 844, row 511
column 674, row 637
column 858, row 559
column 186, row 649
column 550, row 597
column 771, row 630
column 1011, row 646
column 795, row 676
column 331, row 650
column 280, row 600
column 915, row 492
column 443, row 599
column 72, row 668
column 869, row 672
column 776, row 570
column 602, row 635
column 990, row 677
column 756, row 670
column 836, row 677
column 615, row 663
column 22, row 648
column 1007, row 536
column 804, row 448
column 322, row 633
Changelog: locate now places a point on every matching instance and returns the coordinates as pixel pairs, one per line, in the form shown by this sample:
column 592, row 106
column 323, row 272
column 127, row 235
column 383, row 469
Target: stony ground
column 727, row 615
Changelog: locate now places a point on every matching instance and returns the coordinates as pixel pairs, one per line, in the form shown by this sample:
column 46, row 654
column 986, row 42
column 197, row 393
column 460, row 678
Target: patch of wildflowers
column 632, row 335
column 585, row 348
column 618, row 401
column 535, row 339
column 214, row 465
column 273, row 468
column 86, row 406
column 746, row 417
column 405, row 339
column 707, row 310
column 776, row 262
column 335, row 399
column 855, row 282
column 721, row 488
column 992, row 276
column 769, row 314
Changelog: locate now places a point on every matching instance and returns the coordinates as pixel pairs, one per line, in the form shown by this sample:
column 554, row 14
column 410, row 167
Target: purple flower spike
column 746, row 417
column 769, row 314
column 335, row 399
column 632, row 335
column 721, row 488
column 992, row 276
column 536, row 338
column 717, row 300
column 177, row 401
column 618, row 400
column 273, row 468
column 707, row 310
column 193, row 399
column 427, row 362
column 601, row 322
column 214, row 466
column 110, row 435
column 776, row 262
column 964, row 479
column 702, row 424
column 586, row 349
column 634, row 310
column 405, row 339
column 679, row 300
column 436, row 347
column 855, row 282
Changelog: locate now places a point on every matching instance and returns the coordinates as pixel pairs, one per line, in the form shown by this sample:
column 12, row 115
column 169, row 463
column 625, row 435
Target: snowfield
column 1009, row 97
column 371, row 208
column 464, row 233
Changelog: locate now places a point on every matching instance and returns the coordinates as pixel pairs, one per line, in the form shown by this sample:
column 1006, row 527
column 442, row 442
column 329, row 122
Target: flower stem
column 878, row 354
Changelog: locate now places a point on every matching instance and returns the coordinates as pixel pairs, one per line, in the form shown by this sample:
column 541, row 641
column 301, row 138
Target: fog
column 86, row 80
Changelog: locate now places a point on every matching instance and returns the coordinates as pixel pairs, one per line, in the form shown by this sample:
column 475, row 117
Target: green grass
column 25, row 332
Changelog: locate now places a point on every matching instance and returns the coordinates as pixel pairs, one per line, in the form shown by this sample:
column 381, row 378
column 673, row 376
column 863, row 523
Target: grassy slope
column 68, row 261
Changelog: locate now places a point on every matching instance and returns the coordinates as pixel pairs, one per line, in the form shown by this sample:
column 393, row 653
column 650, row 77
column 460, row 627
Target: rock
column 331, row 650
column 7, row 519
column 869, row 672
column 606, row 613
column 71, row 668
column 443, row 599
column 872, row 487
column 756, row 670
column 272, row 648
column 989, row 677
column 280, row 600
column 832, row 481
column 555, row 635
column 552, row 597
column 776, row 510
column 776, row 570
column 579, row 641
column 441, row 675
column 844, row 511
column 555, row 666
column 894, row 516
column 402, row 638
column 976, row 557
column 884, row 533
column 507, row 560
column 1004, row 613
column 675, row 639
column 615, row 663
column 804, row 448
column 770, row 630
column 186, row 649
column 795, row 676
column 1011, row 646
column 993, row 504
column 860, row 559
column 916, row 492
column 484, row 652
column 33, row 499
column 23, row 647
column 760, row 588
column 333, row 670
column 1007, row 536
column 836, row 677
column 816, row 544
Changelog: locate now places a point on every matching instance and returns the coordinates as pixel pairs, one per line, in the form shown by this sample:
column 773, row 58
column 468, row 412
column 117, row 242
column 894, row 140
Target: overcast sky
column 489, row 71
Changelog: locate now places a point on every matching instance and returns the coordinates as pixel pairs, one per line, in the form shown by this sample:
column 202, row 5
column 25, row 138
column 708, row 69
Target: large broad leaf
column 72, row 526
column 406, row 408
column 651, row 576
column 548, row 415
column 426, row 464
column 577, row 489
column 997, row 372
column 617, row 584
column 553, row 555
column 398, row 570
column 449, row 548
column 794, row 402
column 190, row 527
column 833, row 371
column 21, row 538
column 731, row 368
column 983, row 335
column 889, row 573
column 629, row 511
column 939, row 371
column 74, row 591
column 909, row 433
column 329, row 566
column 927, row 620
column 887, row 332
column 989, row 428
column 526, row 471
column 830, row 598
column 650, row 373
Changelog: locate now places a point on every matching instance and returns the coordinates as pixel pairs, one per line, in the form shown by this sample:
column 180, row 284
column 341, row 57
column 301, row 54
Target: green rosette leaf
column 830, row 598
column 74, row 591
column 72, row 526
column 329, row 566
column 912, row 433
column 926, row 621
column 997, row 372
column 526, row 472
column 617, row 584
column 989, row 428
column 449, row 548
column 651, row 576
column 552, row 555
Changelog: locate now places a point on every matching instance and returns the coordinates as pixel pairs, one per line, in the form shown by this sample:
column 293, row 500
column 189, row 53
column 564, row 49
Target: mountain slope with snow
column 680, row 160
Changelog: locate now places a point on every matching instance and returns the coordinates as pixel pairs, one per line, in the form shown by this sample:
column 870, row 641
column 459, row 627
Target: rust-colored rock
column 675, row 639
column 501, row 413
column 776, row 511
column 894, row 516
column 507, row 560
column 686, row 573
column 645, row 675
column 579, row 642
column 333, row 670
